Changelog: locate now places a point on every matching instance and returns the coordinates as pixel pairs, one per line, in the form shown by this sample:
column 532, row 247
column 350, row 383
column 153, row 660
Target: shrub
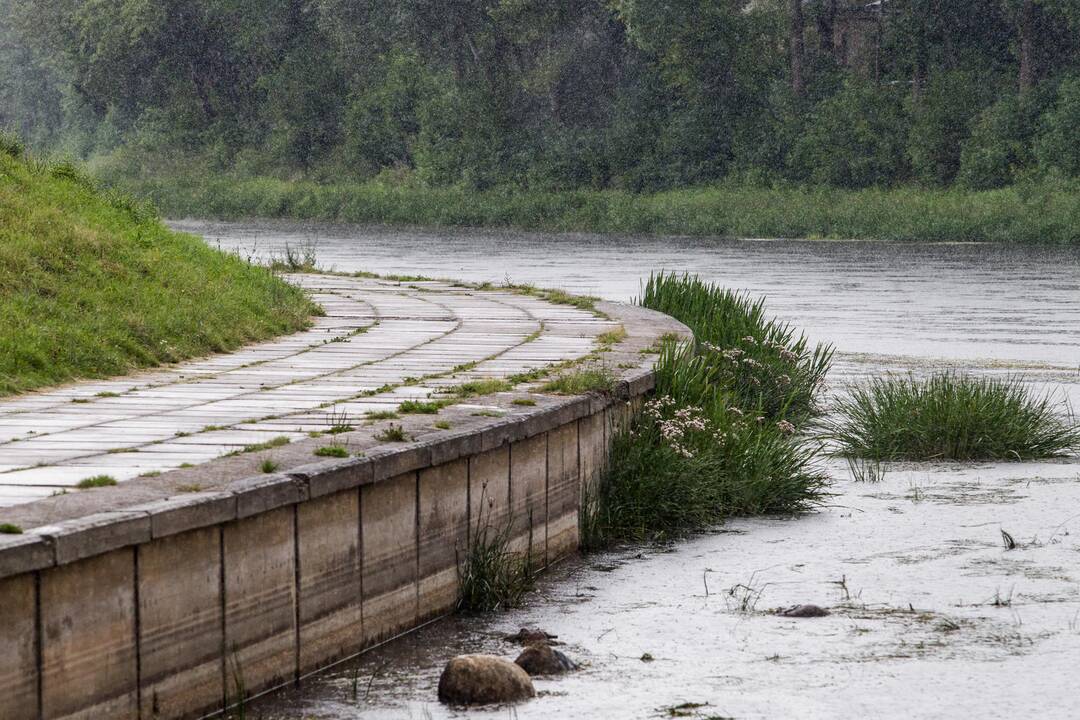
column 1058, row 141
column 941, row 123
column 1000, row 143
column 854, row 139
column 951, row 417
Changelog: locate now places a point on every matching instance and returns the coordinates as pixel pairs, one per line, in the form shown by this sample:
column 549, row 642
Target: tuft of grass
column 10, row 529
column 581, row 381
column 951, row 416
column 381, row 415
column 96, row 481
column 92, row 284
column 477, row 388
column 417, row 407
column 189, row 488
column 491, row 576
column 612, row 337
column 276, row 442
column 105, row 394
column 561, row 297
column 442, row 425
column 338, row 422
column 268, row 466
column 334, row 451
column 392, row 433
column 524, row 402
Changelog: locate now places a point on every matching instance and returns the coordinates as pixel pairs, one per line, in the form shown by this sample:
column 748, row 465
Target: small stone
column 542, row 659
column 804, row 611
column 484, row 680
column 528, row 636
column 647, row 657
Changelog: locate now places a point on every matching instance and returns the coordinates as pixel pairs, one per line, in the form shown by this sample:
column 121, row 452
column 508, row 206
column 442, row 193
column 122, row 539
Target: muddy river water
column 931, row 616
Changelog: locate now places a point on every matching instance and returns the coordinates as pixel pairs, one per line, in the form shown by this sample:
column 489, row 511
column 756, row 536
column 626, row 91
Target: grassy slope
column 92, row 286
column 1029, row 213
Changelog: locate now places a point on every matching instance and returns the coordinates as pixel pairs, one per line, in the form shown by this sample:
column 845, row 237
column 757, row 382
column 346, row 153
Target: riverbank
column 94, row 285
column 1030, row 213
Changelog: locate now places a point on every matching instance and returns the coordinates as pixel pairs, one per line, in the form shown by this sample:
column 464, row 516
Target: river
column 931, row 616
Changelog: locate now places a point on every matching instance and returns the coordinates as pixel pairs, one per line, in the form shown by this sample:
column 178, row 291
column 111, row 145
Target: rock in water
column 482, row 680
column 542, row 659
column 804, row 611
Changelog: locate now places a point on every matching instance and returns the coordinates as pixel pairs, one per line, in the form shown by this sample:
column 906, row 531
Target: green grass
column 268, row 466
column 381, row 415
column 334, row 451
column 580, row 381
column 1027, row 212
column 768, row 367
column 10, row 529
column 96, row 481
column 720, row 436
column 392, row 433
column 92, row 284
column 524, row 402
column 442, row 425
column 951, row 416
column 419, row 407
column 276, row 442
column 491, row 576
column 477, row 388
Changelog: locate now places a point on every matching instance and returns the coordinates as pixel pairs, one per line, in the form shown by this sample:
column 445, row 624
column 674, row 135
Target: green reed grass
column 492, row 576
column 720, row 438
column 951, row 416
column 1036, row 212
column 765, row 364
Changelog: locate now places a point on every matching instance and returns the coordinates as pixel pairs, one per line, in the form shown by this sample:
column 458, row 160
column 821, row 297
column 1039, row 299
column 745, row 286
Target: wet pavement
column 366, row 354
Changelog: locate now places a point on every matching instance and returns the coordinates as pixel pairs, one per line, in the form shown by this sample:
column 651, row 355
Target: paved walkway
column 377, row 339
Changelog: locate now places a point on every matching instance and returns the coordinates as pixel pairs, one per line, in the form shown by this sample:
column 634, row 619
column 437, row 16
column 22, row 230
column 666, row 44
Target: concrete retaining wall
column 179, row 607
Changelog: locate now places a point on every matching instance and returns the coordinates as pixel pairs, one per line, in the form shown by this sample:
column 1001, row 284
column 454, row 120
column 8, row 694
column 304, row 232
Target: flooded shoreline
column 931, row 615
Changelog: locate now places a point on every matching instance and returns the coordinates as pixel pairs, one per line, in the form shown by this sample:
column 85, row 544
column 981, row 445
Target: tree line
column 556, row 94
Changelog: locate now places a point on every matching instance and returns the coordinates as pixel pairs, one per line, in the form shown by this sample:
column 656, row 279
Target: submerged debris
column 803, row 611
column 528, row 636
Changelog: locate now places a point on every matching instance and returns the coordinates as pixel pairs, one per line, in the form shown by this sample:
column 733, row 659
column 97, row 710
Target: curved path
column 380, row 342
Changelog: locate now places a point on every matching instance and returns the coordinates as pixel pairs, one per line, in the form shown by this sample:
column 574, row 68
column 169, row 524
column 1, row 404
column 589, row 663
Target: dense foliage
column 952, row 417
column 722, row 435
column 92, row 284
column 552, row 94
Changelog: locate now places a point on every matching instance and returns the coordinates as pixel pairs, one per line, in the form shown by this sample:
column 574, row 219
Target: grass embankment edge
column 93, row 285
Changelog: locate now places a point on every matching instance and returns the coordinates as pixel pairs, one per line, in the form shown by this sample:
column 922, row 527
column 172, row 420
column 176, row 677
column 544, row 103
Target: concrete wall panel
column 180, row 633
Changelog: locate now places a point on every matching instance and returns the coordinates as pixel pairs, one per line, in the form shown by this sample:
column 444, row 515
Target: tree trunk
column 797, row 81
column 825, row 25
column 1027, row 46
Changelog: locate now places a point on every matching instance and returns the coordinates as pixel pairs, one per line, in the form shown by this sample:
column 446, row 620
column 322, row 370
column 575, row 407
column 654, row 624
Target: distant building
column 856, row 35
